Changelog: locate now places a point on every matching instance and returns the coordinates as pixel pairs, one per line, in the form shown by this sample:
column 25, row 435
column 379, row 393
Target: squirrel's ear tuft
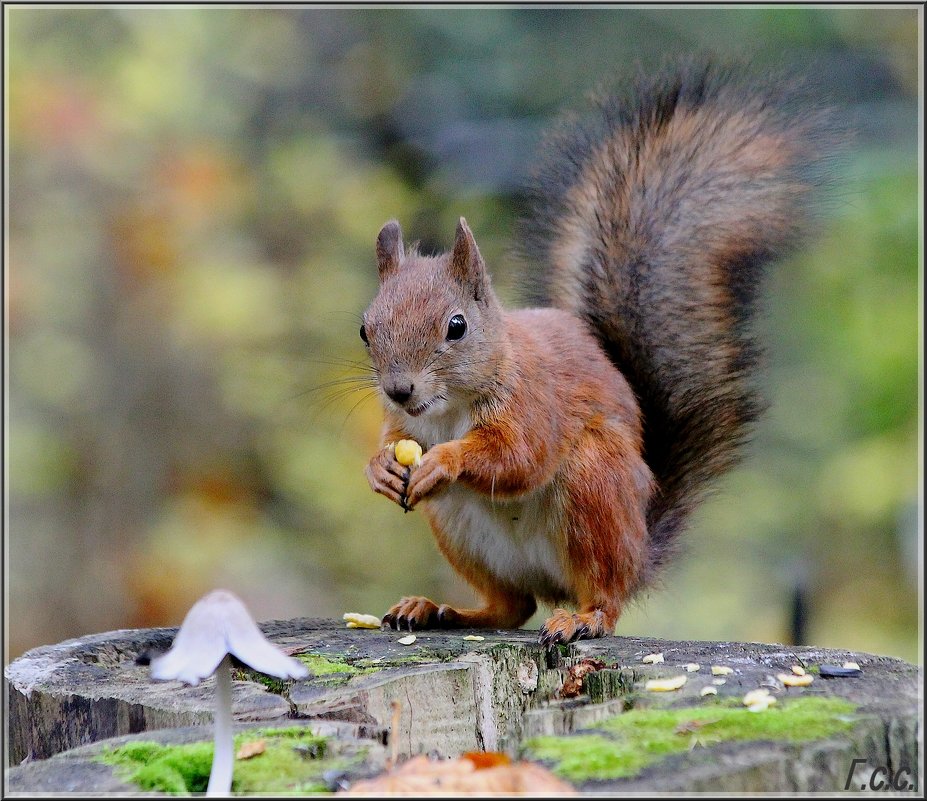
column 467, row 266
column 389, row 248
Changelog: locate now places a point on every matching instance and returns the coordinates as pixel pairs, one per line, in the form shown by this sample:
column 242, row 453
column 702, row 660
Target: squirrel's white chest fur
column 515, row 539
column 429, row 430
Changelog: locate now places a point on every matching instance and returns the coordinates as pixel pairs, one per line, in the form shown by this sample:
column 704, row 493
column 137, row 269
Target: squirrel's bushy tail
column 652, row 219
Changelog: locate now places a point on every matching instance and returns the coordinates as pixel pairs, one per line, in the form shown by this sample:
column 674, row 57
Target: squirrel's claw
column 388, row 478
column 563, row 627
column 412, row 613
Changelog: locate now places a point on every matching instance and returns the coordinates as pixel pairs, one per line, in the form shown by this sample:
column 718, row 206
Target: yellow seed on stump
column 408, row 453
column 757, row 696
column 796, row 681
column 652, row 659
column 665, row 685
column 356, row 620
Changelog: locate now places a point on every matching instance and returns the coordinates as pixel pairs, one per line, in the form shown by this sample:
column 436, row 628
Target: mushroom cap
column 216, row 625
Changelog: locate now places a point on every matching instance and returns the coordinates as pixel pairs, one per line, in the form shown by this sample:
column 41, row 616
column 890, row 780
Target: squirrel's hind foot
column 564, row 627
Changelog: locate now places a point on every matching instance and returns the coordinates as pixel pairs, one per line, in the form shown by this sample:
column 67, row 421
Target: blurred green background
column 194, row 195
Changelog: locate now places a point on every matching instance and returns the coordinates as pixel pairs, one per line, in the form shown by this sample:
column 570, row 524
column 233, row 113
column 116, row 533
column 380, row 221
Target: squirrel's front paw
column 440, row 466
column 386, row 476
column 415, row 612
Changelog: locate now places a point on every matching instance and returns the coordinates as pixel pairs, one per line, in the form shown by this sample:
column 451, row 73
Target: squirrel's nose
column 400, row 391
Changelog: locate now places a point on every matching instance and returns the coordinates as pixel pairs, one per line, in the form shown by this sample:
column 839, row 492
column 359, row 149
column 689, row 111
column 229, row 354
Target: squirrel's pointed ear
column 389, row 248
column 467, row 265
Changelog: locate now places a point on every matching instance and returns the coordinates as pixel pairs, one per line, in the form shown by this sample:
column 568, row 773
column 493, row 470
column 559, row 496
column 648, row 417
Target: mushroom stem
column 220, row 777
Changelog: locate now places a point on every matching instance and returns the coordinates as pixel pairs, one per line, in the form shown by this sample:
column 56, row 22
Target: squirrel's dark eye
column 363, row 333
column 457, row 327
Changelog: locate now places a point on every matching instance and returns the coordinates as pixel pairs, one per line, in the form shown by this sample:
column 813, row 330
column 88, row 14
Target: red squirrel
column 565, row 446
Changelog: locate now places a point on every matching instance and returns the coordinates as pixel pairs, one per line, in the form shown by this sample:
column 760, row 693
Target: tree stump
column 446, row 694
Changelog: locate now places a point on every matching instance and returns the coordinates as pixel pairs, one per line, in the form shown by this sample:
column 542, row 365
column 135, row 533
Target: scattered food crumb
column 408, row 640
column 759, row 700
column 692, row 667
column 652, row 659
column 709, row 691
column 798, row 670
column 474, row 637
column 665, row 685
column 758, row 695
column 356, row 620
column 795, row 681
column 721, row 670
column 762, row 706
column 718, row 682
column 851, row 666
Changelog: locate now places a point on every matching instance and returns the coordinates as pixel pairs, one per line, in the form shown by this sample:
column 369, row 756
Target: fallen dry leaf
column 422, row 776
column 252, row 749
column 487, row 759
column 573, row 683
column 692, row 726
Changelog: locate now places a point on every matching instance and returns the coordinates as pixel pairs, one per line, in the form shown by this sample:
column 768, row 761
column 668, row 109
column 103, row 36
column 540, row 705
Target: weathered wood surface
column 456, row 695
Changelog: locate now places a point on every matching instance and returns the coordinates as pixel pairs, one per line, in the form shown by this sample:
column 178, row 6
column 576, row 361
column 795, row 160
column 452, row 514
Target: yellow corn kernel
column 355, row 620
column 652, row 659
column 665, row 685
column 795, row 681
column 408, row 453
column 762, row 705
column 758, row 696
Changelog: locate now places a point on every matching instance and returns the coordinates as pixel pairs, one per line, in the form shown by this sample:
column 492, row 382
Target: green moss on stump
column 293, row 761
column 321, row 665
column 639, row 737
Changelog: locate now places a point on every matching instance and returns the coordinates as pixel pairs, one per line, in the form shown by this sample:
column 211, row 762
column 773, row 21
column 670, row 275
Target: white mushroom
column 216, row 626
